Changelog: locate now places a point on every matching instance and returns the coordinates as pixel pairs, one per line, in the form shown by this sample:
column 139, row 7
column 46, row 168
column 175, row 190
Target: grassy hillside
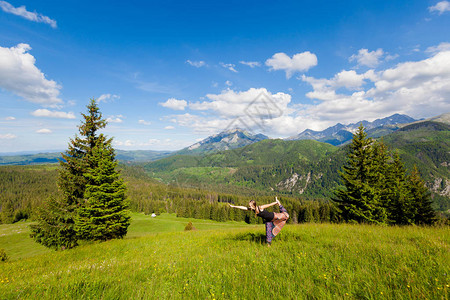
column 266, row 152
column 310, row 261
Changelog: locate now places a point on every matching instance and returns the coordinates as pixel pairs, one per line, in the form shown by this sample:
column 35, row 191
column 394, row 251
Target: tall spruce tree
column 421, row 199
column 104, row 214
column 56, row 226
column 360, row 200
column 401, row 210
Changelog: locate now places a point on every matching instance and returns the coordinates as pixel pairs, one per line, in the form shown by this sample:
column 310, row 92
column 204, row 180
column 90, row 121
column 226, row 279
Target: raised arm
column 270, row 204
column 240, row 207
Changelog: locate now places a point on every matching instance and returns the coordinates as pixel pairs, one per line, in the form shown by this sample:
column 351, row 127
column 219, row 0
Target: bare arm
column 268, row 205
column 271, row 204
column 240, row 207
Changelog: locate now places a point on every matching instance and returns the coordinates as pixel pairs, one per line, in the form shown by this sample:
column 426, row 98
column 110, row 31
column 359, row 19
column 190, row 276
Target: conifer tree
column 360, row 200
column 421, row 199
column 381, row 160
column 103, row 215
column 56, row 226
column 401, row 209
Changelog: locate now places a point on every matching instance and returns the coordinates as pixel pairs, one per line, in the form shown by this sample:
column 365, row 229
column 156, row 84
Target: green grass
column 230, row 261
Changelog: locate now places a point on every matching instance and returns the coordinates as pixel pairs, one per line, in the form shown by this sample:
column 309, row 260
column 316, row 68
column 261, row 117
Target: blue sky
column 169, row 73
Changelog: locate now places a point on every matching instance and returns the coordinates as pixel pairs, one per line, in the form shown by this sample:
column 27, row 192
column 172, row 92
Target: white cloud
column 115, row 119
column 251, row 64
column 24, row 13
column 169, row 127
column 143, row 122
column 230, row 67
column 19, row 75
column 439, row 48
column 249, row 109
column 416, row 88
column 106, row 97
column 44, row 131
column 10, row 118
column 175, row 104
column 53, row 114
column 7, row 136
column 197, row 64
column 440, row 7
column 367, row 58
column 300, row 62
column 228, row 83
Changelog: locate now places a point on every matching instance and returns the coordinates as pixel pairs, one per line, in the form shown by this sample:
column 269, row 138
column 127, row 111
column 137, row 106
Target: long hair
column 252, row 206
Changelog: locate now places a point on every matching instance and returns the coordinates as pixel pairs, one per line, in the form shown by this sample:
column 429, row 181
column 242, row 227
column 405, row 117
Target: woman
column 274, row 221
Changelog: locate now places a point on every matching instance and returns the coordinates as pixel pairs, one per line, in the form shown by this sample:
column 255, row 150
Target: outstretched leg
column 280, row 219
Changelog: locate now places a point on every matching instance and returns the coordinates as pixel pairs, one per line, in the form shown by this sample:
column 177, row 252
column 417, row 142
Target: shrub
column 189, row 227
column 3, row 256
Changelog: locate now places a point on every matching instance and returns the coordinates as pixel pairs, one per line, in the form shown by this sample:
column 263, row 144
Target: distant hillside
column 340, row 134
column 263, row 153
column 225, row 140
column 45, row 158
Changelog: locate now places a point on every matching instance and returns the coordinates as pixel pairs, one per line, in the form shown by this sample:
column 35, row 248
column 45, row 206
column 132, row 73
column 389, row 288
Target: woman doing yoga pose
column 274, row 221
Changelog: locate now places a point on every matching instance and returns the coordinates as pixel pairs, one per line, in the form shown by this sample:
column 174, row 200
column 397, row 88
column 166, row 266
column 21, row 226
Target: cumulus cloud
column 230, row 109
column 19, row 75
column 24, row 13
column 367, row 58
column 417, row 88
column 439, row 48
column 107, row 97
column 7, row 136
column 440, row 7
column 197, row 64
column 300, row 62
column 10, row 118
column 251, row 64
column 45, row 113
column 230, row 67
column 115, row 119
column 143, row 122
column 169, row 127
column 44, row 131
column 174, row 104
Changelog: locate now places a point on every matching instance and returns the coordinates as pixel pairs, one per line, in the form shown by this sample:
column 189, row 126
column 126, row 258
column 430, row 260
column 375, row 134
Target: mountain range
column 340, row 134
column 226, row 140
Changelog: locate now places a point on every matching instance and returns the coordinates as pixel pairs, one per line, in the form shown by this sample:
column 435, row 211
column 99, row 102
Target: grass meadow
column 158, row 260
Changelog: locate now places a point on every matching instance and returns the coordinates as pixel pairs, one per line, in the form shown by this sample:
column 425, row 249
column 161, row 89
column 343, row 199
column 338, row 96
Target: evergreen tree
column 104, row 214
column 401, row 208
column 421, row 199
column 7, row 212
column 360, row 199
column 381, row 160
column 55, row 228
column 57, row 219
